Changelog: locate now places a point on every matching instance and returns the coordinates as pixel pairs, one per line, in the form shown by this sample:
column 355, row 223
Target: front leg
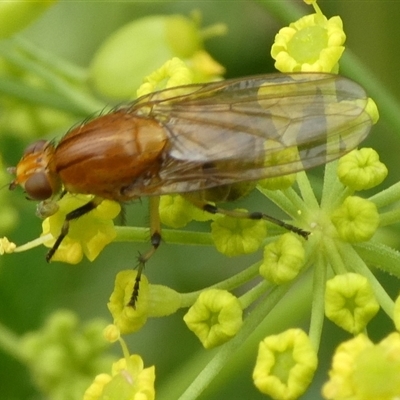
column 155, row 240
column 74, row 214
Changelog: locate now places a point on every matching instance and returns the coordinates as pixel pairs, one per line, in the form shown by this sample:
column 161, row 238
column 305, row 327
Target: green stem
column 306, row 190
column 380, row 255
column 287, row 200
column 255, row 293
column 36, row 96
column 388, row 104
column 333, row 257
column 387, row 196
column 231, row 283
column 330, row 182
column 61, row 65
column 82, row 101
column 285, row 11
column 137, row 234
column 389, row 218
column 318, row 302
column 333, row 192
column 296, row 202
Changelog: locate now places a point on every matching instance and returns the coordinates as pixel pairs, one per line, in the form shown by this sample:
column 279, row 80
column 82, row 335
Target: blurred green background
column 31, row 289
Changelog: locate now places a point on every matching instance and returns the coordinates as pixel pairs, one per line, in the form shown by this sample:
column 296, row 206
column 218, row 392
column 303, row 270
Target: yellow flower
column 129, row 380
column 311, row 44
column 127, row 318
column 153, row 301
column 174, row 70
column 364, row 371
column 87, row 235
column 285, row 365
column 6, row 246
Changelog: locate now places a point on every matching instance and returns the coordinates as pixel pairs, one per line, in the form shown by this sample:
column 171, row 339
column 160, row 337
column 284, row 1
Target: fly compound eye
column 36, row 147
column 38, row 186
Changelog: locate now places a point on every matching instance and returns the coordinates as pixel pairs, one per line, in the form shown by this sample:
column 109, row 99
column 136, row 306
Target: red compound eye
column 38, row 187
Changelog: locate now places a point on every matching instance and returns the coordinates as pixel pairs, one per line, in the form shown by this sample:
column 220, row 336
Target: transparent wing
column 249, row 129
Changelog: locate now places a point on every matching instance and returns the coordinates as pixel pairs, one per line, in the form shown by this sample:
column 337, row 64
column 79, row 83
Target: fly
column 201, row 141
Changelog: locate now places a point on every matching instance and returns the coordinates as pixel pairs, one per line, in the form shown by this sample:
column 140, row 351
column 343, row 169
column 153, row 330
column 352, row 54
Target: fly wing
column 260, row 127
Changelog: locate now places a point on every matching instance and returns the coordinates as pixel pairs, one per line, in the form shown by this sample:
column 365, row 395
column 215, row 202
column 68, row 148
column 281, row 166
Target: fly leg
column 155, row 240
column 74, row 214
column 249, row 215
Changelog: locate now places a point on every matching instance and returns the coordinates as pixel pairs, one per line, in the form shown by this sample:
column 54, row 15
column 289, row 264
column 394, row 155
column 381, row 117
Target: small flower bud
column 215, row 317
column 372, row 110
column 176, row 211
column 350, row 302
column 112, row 333
column 283, row 259
column 236, row 236
column 284, row 157
column 361, row 169
column 285, row 365
column 356, row 220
